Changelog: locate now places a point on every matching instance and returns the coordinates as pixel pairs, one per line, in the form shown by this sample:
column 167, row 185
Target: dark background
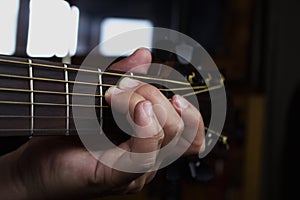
column 256, row 43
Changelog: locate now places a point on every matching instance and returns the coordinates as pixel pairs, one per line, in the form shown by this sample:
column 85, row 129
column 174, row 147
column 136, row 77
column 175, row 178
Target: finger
column 142, row 155
column 132, row 91
column 123, row 102
column 146, row 126
column 193, row 134
column 138, row 62
column 166, row 114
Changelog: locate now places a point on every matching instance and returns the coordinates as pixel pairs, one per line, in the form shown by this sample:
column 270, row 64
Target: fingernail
column 181, row 102
column 113, row 90
column 128, row 83
column 148, row 108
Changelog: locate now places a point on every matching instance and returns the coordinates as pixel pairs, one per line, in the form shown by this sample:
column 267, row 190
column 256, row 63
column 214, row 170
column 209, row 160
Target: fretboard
column 36, row 96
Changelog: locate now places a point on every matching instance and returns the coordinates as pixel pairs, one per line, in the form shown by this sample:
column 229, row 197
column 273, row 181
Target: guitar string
column 81, row 94
column 204, row 90
column 52, row 80
column 92, row 84
column 51, row 104
column 49, row 92
column 95, row 72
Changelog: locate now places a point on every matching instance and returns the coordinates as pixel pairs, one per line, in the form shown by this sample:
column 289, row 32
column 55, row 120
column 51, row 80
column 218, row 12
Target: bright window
column 9, row 10
column 53, row 28
column 112, row 27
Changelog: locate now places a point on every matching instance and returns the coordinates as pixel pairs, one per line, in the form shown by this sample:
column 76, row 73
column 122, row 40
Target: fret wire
column 50, row 104
column 101, row 100
column 67, row 100
column 31, row 97
column 48, row 92
column 93, row 71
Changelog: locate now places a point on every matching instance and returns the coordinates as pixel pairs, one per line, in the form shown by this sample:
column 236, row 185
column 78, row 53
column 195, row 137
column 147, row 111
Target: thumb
column 138, row 62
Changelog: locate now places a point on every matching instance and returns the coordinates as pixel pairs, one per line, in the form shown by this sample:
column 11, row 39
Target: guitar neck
column 36, row 96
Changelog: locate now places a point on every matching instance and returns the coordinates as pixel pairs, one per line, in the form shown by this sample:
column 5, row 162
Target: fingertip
column 144, row 54
column 179, row 102
column 113, row 90
column 139, row 62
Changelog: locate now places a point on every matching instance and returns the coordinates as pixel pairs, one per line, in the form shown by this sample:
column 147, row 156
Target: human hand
column 60, row 167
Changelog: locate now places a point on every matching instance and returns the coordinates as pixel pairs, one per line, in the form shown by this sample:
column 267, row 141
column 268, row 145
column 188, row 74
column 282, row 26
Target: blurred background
column 255, row 43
